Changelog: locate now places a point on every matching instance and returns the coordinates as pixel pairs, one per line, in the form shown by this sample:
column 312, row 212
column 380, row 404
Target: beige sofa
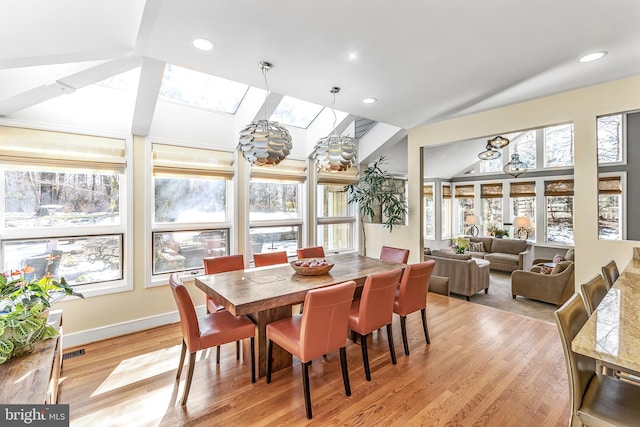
column 554, row 288
column 504, row 254
column 467, row 275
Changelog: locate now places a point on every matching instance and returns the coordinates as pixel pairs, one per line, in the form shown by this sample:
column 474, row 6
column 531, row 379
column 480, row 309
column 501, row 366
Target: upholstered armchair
column 554, row 288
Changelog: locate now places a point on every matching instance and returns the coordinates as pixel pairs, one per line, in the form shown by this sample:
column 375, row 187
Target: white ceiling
column 423, row 60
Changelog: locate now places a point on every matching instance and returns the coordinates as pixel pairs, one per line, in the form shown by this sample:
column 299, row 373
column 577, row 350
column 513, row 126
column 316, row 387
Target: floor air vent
column 71, row 354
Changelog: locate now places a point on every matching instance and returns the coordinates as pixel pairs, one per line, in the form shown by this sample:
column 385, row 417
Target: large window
column 610, row 139
column 559, row 204
column 491, row 206
column 558, row 146
column 62, row 206
column 610, row 208
column 524, row 145
column 429, row 212
column 446, row 211
column 465, row 206
column 190, row 214
column 275, row 207
column 336, row 230
column 523, row 202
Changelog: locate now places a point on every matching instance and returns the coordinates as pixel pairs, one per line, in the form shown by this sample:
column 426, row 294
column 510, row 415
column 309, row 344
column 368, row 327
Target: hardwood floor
column 484, row 367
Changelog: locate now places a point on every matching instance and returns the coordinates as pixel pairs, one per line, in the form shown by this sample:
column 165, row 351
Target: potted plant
column 377, row 198
column 24, row 306
column 497, row 232
column 460, row 244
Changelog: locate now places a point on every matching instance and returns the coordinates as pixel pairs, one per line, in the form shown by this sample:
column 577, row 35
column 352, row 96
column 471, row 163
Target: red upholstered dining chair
column 411, row 296
column 391, row 254
column 313, row 252
column 213, row 330
column 375, row 310
column 221, row 264
column 270, row 258
column 321, row 329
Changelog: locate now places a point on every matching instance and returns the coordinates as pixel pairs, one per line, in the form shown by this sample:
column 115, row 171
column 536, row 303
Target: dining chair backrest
column 221, row 264
column 610, row 273
column 412, row 295
column 376, row 303
column 593, row 291
column 313, row 252
column 570, row 318
column 325, row 319
column 270, row 258
column 391, row 254
column 187, row 312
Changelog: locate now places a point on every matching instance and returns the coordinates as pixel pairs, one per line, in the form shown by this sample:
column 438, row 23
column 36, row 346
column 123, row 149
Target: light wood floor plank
column 484, row 367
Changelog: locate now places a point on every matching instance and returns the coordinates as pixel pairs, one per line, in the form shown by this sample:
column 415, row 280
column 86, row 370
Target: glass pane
column 201, row 90
column 294, row 112
column 332, row 201
column 274, row 239
column 494, row 165
column 273, row 200
column 525, row 206
column 525, row 146
column 558, row 146
column 80, row 260
column 183, row 250
column 466, row 206
column 560, row 219
column 336, row 237
column 491, row 214
column 429, row 218
column 609, row 219
column 34, row 199
column 188, row 200
column 446, row 218
column 610, row 139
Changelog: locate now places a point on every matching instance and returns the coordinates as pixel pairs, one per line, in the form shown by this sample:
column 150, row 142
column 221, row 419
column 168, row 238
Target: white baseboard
column 98, row 334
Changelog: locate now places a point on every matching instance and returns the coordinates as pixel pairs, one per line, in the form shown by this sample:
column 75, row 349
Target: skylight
column 294, row 112
column 201, row 90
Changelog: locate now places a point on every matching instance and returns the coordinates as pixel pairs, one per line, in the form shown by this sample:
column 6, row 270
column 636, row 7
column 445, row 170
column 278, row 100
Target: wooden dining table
column 267, row 294
column 612, row 332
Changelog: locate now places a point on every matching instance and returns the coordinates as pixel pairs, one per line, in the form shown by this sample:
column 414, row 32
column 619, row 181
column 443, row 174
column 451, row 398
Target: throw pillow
column 558, row 258
column 476, row 247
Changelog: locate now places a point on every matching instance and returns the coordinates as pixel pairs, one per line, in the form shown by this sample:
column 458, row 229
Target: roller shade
column 286, row 170
column 491, row 191
column 610, row 185
column 350, row 176
column 199, row 162
column 43, row 148
column 523, row 189
column 446, row 191
column 427, row 190
column 464, row 191
column 561, row 187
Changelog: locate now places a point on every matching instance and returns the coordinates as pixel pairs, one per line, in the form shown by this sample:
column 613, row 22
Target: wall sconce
column 522, row 224
column 515, row 167
column 473, row 221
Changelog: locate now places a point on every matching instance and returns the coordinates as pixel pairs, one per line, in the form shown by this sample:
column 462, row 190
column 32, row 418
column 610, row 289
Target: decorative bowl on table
column 312, row 266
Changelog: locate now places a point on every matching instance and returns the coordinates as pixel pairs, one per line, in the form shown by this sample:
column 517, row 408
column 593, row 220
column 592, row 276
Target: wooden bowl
column 312, row 271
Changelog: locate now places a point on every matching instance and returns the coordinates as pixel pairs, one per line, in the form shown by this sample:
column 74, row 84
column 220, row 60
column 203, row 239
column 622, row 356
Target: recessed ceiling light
column 593, row 56
column 203, row 44
column 353, row 56
column 369, row 100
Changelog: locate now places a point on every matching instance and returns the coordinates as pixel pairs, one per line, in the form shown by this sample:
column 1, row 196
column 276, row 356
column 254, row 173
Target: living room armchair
column 554, row 288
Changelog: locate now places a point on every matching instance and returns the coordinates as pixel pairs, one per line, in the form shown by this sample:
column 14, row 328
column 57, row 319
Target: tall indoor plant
column 377, row 198
column 24, row 304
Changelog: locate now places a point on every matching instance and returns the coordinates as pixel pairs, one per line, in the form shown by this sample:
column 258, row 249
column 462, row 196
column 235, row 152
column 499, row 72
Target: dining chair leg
column 392, row 349
column 237, row 350
column 424, row 325
column 403, row 328
column 218, row 355
column 269, row 353
column 252, row 340
column 182, row 354
column 354, row 336
column 365, row 356
column 345, row 371
column 305, row 385
column 187, row 385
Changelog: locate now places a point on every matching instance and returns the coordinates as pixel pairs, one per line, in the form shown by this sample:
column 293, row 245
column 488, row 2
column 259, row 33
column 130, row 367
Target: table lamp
column 473, row 221
column 522, row 225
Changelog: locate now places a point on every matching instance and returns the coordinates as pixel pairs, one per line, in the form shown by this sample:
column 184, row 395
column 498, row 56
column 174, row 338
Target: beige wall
column 100, row 317
column 580, row 107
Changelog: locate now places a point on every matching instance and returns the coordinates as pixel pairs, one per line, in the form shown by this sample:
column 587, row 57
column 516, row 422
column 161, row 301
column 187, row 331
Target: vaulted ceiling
column 424, row 61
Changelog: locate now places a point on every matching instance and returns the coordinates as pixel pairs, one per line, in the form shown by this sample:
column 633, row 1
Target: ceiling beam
column 147, row 97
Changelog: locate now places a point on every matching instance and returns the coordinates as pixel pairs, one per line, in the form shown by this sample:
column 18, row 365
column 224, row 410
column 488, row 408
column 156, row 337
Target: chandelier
column 515, row 167
column 498, row 142
column 490, row 153
column 334, row 153
column 263, row 142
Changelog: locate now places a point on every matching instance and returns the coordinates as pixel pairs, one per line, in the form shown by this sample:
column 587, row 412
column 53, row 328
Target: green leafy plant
column 460, row 244
column 375, row 195
column 496, row 231
column 24, row 306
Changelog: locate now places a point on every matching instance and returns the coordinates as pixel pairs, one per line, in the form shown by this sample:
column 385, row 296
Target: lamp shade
column 473, row 220
column 522, row 221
